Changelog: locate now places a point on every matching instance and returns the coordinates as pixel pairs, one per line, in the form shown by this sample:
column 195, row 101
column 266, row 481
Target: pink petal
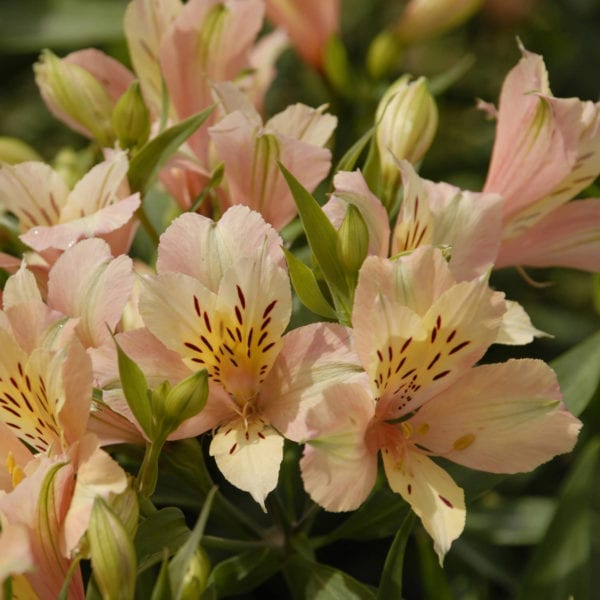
column 145, row 25
column 309, row 24
column 251, row 170
column 536, row 138
column 338, row 470
column 33, row 192
column 87, row 282
column 198, row 247
column 112, row 75
column 567, row 237
column 303, row 123
column 503, row 418
column 106, row 220
column 312, row 358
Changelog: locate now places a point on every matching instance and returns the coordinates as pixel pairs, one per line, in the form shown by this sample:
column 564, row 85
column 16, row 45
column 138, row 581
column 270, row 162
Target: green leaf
column 145, row 165
column 309, row 580
column 165, row 528
column 135, row 389
column 28, row 25
column 433, row 577
column 578, row 372
column 561, row 566
column 242, row 573
column 322, row 238
column 307, row 288
column 350, row 158
column 390, row 584
column 180, row 562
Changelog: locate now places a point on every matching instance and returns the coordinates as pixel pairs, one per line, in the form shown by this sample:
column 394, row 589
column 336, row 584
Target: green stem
column 148, row 474
column 147, row 225
column 211, row 541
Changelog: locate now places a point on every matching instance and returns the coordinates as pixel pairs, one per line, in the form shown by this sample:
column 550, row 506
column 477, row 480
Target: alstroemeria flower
column 251, row 151
column 52, row 217
column 418, row 334
column 225, row 310
column 546, row 150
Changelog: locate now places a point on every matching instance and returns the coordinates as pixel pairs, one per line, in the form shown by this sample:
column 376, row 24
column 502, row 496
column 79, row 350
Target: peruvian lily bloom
column 250, row 152
column 309, row 25
column 417, row 339
column 226, row 310
column 546, row 151
column 52, row 217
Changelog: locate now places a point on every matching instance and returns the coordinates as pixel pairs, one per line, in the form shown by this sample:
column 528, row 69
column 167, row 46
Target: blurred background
column 531, row 533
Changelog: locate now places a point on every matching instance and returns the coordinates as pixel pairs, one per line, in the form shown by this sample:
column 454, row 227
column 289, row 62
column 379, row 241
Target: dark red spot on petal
column 446, row 501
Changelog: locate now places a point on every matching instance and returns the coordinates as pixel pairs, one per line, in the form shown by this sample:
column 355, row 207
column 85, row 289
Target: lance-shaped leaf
column 135, row 388
column 307, row 288
column 563, row 563
column 321, row 236
column 113, row 557
column 309, row 579
column 578, row 372
column 147, row 162
column 353, row 153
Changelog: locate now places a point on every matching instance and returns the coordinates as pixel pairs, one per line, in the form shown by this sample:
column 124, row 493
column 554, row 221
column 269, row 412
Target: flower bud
column 76, row 97
column 131, row 118
column 196, row 575
column 406, row 122
column 185, row 400
column 14, row 151
column 424, row 19
column 352, row 240
column 384, row 55
column 113, row 557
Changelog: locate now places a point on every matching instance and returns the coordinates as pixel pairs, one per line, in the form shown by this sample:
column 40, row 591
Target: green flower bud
column 76, row 97
column 112, row 553
column 131, row 118
column 196, row 576
column 14, row 151
column 352, row 240
column 406, row 122
column 384, row 55
column 423, row 19
column 185, row 400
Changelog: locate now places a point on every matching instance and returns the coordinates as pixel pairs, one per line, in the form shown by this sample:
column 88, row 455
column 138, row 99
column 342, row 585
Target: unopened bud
column 14, row 151
column 113, row 557
column 352, row 240
column 384, row 55
column 406, row 122
column 75, row 96
column 423, row 19
column 196, row 576
column 185, row 400
column 131, row 118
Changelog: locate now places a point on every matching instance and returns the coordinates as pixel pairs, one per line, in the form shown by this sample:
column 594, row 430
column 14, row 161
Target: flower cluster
column 97, row 349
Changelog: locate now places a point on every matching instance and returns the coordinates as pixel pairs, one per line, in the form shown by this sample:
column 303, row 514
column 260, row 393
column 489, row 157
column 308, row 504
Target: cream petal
column 516, row 327
column 33, row 192
column 20, row 287
column 249, row 457
column 431, row 493
column 502, row 418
